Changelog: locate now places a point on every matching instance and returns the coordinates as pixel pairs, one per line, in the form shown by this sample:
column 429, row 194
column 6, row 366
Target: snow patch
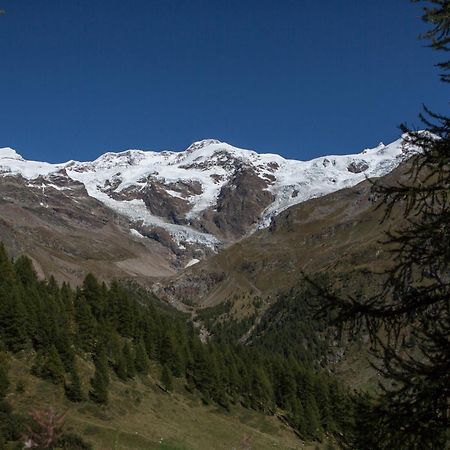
column 135, row 233
column 9, row 153
column 137, row 211
column 191, row 263
column 211, row 164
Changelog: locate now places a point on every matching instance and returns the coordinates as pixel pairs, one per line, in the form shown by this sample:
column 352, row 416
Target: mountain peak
column 203, row 143
column 210, row 191
column 9, row 153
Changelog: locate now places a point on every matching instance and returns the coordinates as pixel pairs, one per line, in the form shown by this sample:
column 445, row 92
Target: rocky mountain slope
column 67, row 233
column 142, row 213
column 338, row 234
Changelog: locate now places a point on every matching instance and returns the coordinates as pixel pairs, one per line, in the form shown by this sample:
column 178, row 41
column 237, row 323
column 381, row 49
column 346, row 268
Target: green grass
column 140, row 416
column 172, row 446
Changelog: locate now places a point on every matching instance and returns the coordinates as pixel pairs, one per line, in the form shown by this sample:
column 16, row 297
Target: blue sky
column 297, row 77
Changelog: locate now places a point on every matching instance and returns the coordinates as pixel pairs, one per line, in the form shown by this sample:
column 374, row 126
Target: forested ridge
column 121, row 329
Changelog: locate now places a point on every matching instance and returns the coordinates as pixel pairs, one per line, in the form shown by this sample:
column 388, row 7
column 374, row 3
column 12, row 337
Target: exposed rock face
column 179, row 205
column 68, row 233
column 241, row 203
column 339, row 234
column 239, row 206
column 161, row 203
column 357, row 166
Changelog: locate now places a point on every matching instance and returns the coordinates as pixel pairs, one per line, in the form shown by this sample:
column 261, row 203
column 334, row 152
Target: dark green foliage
column 93, row 293
column 209, row 316
column 13, row 325
column 232, row 330
column 4, row 381
column 437, row 15
column 166, row 378
column 170, row 354
column 129, row 360
column 70, row 441
column 100, row 380
column 48, row 365
column 86, row 326
column 125, row 367
column 10, row 424
column 20, row 386
column 73, row 388
column 121, row 367
column 290, row 328
column 203, row 372
column 409, row 318
column 123, row 327
column 261, row 388
column 322, row 397
column 141, row 359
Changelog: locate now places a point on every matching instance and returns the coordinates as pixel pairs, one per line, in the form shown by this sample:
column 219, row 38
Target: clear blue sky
column 297, row 77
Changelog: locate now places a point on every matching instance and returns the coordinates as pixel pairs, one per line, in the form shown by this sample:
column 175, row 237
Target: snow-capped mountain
column 206, row 195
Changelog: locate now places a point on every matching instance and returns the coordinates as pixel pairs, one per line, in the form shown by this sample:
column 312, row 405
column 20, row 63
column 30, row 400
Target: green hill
column 131, row 371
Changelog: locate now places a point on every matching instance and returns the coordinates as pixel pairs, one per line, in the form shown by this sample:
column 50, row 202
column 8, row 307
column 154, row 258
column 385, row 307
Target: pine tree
column 261, row 389
column 13, row 316
column 65, row 349
column 125, row 312
column 341, row 406
column 54, row 367
column 31, row 293
column 100, row 380
column 413, row 411
column 166, row 378
column 141, row 360
column 121, row 367
column 217, row 389
column 285, row 385
column 48, row 365
column 4, row 381
column 94, row 295
column 324, row 404
column 149, row 336
column 129, row 359
column 64, row 327
column 167, row 350
column 5, row 408
column 297, row 416
column 73, row 389
column 203, row 372
column 25, row 272
column 125, row 366
column 85, row 324
column 307, row 396
column 234, row 379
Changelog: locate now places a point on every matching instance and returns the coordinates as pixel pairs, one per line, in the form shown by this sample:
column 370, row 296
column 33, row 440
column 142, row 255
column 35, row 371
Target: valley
column 283, row 287
column 201, row 316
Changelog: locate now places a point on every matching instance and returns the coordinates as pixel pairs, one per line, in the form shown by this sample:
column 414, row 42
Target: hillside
column 115, row 356
column 70, row 235
column 140, row 214
column 142, row 416
column 268, row 365
column 338, row 234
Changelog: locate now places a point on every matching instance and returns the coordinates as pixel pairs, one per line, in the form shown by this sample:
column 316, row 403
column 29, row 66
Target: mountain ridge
column 215, row 159
column 185, row 205
column 337, row 234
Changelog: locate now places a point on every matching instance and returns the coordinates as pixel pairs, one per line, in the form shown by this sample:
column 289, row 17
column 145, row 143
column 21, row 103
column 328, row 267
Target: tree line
column 120, row 330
